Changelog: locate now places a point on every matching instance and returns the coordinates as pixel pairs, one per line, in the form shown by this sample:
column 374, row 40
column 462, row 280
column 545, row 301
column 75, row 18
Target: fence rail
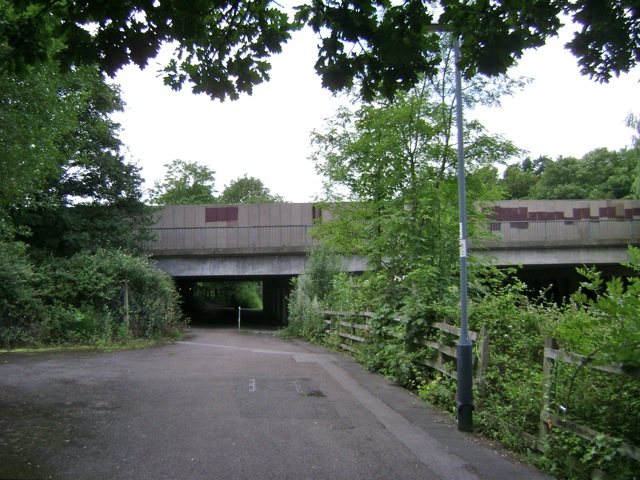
column 348, row 327
column 552, row 354
column 230, row 237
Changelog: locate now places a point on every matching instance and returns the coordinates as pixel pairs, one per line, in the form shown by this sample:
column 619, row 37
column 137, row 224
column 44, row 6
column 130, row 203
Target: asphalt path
column 226, row 405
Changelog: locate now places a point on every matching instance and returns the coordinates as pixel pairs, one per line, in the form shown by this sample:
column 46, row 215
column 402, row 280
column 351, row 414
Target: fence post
column 549, row 343
column 125, row 301
column 484, row 361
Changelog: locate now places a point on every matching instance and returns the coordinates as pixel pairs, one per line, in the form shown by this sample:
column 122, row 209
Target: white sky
column 266, row 135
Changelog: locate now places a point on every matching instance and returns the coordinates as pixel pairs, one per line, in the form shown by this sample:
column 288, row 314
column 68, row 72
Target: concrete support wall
column 275, row 293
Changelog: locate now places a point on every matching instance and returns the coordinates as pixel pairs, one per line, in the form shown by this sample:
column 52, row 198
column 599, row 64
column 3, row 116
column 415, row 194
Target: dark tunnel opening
column 221, row 302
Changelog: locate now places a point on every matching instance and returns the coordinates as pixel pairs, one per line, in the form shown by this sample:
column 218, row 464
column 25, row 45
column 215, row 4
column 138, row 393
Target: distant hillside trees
column 599, row 175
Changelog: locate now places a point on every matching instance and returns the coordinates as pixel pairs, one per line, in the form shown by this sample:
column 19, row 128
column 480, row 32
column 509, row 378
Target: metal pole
column 464, row 347
column 239, row 309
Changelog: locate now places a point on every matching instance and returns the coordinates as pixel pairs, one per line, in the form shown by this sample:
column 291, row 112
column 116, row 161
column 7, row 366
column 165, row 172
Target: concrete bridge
column 268, row 242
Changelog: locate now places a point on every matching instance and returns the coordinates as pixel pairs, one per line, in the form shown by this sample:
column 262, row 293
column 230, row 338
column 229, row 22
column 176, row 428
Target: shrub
column 305, row 315
column 21, row 308
column 311, row 294
column 81, row 300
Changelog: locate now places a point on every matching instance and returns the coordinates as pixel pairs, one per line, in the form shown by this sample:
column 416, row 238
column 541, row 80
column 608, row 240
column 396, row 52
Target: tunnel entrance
column 556, row 283
column 216, row 302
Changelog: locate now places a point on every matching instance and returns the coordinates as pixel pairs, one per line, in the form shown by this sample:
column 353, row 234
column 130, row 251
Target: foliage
column 633, row 121
column 600, row 323
column 20, row 303
column 396, row 161
column 87, row 292
column 70, row 187
column 219, row 47
column 321, row 270
column 600, row 174
column 230, row 294
column 608, row 315
column 389, row 351
column 247, row 190
column 66, row 195
column 81, row 300
column 305, row 313
column 311, row 294
column 345, row 294
column 185, row 183
column 600, row 458
column 29, row 150
column 515, row 327
column 223, row 48
column 519, row 180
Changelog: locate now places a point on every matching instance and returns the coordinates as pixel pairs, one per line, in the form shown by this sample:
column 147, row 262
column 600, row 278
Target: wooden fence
column 547, row 419
column 353, row 328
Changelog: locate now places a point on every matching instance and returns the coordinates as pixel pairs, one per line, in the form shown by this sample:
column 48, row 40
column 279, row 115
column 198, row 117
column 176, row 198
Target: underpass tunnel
column 216, row 301
column 556, row 283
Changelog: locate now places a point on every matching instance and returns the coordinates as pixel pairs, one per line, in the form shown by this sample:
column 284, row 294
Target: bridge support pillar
column 275, row 292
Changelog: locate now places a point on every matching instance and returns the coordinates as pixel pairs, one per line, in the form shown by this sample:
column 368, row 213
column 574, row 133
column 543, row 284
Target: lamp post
column 464, row 347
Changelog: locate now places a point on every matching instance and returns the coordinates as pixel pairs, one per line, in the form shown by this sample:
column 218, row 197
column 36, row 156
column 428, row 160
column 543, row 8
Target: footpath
column 226, row 405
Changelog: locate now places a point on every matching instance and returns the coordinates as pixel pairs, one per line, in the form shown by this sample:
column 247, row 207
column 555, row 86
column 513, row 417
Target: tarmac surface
column 226, row 405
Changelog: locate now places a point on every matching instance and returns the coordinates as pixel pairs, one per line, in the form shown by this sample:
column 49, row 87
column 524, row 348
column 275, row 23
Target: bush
column 81, row 300
column 21, row 308
column 305, row 315
column 603, row 321
column 96, row 284
column 311, row 294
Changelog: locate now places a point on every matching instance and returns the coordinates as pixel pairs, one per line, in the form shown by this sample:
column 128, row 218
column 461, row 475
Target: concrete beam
column 243, row 266
column 557, row 256
column 261, row 266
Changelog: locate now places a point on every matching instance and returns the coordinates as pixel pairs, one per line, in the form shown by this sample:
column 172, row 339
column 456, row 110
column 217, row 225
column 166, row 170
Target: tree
column 71, row 215
column 600, row 174
column 185, row 183
column 220, row 47
column 396, row 161
column 519, row 180
column 34, row 118
column 633, row 121
column 223, row 48
column 248, row 190
column 68, row 185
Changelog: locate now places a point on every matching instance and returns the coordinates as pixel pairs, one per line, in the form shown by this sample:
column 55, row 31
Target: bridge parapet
column 561, row 233
column 255, row 240
column 519, row 231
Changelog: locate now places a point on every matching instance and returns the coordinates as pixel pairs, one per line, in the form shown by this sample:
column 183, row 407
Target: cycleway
column 222, row 404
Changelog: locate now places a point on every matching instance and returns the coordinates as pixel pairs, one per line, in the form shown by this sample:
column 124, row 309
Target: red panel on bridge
column 220, row 214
